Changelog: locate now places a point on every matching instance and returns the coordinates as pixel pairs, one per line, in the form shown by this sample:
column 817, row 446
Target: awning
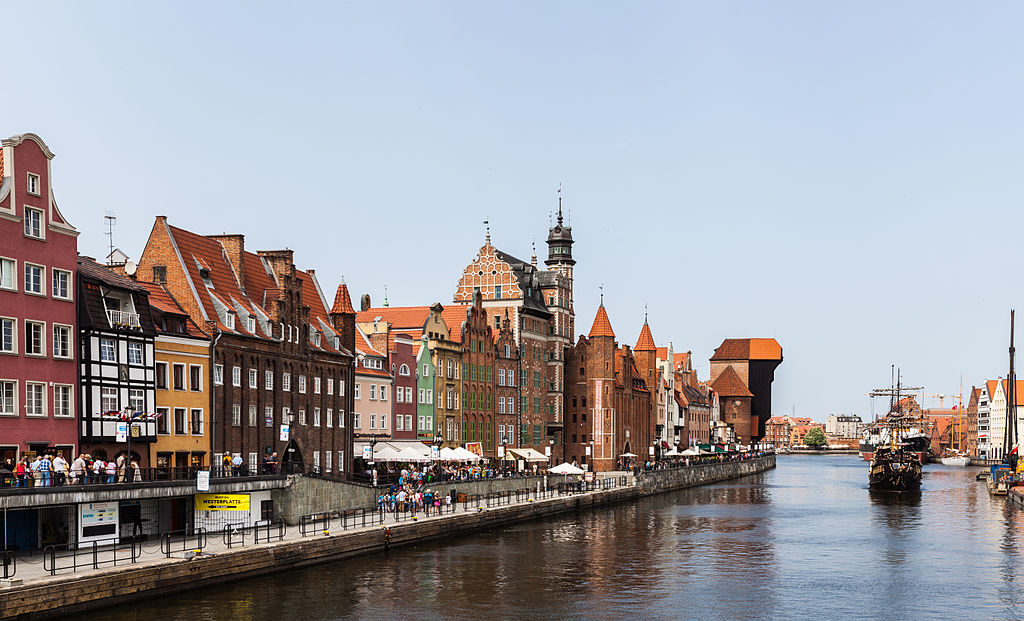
column 528, row 454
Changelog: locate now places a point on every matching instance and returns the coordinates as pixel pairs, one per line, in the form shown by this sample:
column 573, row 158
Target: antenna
column 110, row 218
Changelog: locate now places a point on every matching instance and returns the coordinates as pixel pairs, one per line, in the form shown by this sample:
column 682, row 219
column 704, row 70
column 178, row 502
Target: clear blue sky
column 846, row 179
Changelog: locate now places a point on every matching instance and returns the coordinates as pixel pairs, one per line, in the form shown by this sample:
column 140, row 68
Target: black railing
column 10, row 563
column 314, row 523
column 92, row 555
column 496, row 499
column 12, row 483
column 183, row 541
column 265, row 531
column 234, row 534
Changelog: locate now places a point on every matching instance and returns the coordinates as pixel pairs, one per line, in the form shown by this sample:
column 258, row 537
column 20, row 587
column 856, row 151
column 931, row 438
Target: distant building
column 970, row 436
column 742, row 371
column 843, row 426
column 777, row 431
column 798, row 431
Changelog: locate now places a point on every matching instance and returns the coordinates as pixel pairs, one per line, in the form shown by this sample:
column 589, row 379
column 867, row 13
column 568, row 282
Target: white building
column 843, row 426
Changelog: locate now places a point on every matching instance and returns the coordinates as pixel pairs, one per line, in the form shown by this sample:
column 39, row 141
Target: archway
column 292, row 460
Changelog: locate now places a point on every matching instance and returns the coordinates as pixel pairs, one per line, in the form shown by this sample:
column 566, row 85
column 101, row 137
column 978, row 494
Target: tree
column 815, row 438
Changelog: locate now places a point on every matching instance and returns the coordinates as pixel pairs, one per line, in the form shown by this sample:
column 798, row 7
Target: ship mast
column 1010, row 431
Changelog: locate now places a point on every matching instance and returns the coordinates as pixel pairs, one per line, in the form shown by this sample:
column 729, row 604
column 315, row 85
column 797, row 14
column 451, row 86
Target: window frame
column 69, row 330
column 41, row 353
column 54, row 273
column 14, row 394
column 13, row 272
column 42, row 413
column 42, row 277
column 41, row 233
column 13, row 349
column 31, row 179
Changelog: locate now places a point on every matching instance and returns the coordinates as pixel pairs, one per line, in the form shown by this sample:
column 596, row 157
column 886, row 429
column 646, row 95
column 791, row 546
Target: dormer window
column 204, row 273
column 250, row 323
column 229, row 321
column 33, row 184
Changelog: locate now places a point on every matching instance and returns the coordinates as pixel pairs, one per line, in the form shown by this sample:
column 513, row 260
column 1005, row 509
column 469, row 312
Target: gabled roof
column 681, row 359
column 93, row 270
column 729, row 384
column 602, row 326
column 161, row 300
column 404, row 318
column 646, row 341
column 748, row 349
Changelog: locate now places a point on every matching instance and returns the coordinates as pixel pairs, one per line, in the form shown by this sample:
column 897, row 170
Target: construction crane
column 941, row 397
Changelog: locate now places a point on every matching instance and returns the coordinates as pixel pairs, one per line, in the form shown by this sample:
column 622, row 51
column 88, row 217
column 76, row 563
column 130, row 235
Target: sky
column 844, row 178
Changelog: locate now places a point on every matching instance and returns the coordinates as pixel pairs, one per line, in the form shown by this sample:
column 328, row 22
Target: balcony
column 122, row 319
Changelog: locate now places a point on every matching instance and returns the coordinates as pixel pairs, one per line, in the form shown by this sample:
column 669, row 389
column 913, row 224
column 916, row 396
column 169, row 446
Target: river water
column 806, row 540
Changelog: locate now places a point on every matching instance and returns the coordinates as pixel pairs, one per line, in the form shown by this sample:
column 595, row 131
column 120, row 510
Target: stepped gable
column 729, row 384
column 602, row 326
column 646, row 341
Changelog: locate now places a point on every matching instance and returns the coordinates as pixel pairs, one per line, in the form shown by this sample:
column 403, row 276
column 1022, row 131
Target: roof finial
column 601, row 287
column 385, row 296
column 559, row 203
column 645, row 312
column 487, row 225
column 533, row 257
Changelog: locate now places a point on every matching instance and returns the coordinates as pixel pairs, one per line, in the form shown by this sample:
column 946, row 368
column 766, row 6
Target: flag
column 1013, row 452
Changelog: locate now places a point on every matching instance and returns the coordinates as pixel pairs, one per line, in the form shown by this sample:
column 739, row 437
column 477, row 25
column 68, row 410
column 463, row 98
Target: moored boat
column 896, row 469
column 961, row 461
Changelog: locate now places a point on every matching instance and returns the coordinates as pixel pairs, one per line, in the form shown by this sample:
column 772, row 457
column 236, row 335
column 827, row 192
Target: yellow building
column 182, row 366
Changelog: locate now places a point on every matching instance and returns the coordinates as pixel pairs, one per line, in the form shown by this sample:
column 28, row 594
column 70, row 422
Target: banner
column 122, row 432
column 475, row 448
column 222, row 502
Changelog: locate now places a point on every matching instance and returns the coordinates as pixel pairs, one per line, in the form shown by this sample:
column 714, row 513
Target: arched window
column 404, row 369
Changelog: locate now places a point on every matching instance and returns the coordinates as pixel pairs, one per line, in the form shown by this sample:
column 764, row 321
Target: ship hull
column 895, row 473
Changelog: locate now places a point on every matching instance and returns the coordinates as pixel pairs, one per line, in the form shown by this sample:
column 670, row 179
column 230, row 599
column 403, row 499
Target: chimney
column 280, row 262
column 234, row 249
column 364, row 302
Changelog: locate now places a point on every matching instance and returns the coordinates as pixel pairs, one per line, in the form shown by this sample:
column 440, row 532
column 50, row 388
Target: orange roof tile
column 342, row 300
column 646, row 341
column 162, row 300
column 661, row 353
column 400, row 317
column 453, row 315
column 602, row 326
column 748, row 349
column 680, row 360
column 729, row 384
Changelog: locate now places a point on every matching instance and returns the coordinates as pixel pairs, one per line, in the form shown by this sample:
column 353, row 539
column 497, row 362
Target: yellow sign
column 222, row 502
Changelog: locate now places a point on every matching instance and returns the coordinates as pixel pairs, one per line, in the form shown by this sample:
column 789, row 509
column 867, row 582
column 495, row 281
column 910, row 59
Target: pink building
column 38, row 261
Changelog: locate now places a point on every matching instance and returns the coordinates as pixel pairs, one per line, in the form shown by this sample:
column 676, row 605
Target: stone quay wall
column 75, row 593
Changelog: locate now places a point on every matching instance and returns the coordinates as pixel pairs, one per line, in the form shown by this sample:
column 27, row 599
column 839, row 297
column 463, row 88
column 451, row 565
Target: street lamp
column 128, row 474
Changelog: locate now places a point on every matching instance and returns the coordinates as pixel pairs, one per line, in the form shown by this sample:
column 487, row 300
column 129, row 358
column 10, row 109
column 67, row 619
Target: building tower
column 560, row 249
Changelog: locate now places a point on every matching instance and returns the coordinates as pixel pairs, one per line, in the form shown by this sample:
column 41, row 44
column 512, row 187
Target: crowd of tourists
column 55, row 471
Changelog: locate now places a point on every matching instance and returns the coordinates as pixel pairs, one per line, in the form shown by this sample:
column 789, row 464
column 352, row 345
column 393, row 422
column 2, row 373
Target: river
column 806, row 540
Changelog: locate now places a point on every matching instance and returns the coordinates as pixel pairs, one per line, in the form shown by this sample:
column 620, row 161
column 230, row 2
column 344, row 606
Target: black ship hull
column 895, row 472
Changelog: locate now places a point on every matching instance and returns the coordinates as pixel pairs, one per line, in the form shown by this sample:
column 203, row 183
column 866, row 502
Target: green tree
column 815, row 438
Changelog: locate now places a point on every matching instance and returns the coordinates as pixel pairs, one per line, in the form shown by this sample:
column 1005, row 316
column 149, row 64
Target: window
column 108, row 400
column 420, row 396
column 163, row 423
column 161, row 376
column 33, row 184
column 358, row 385
column 33, row 223
column 501, row 377
column 330, row 417
column 420, row 422
column 341, row 461
column 236, row 376
column 403, row 370
column 229, row 321
column 408, row 422
column 302, row 384
column 252, row 415
column 250, row 323
column 179, row 377
column 330, row 386
column 408, row 394
column 508, row 351
column 218, row 374
column 35, row 344
column 7, row 267
column 253, row 378
column 268, row 416
column 426, row 371
column 497, row 292
column 134, row 353
column 268, row 380
column 61, row 341
column 107, row 350
column 137, row 399
column 449, row 368
column 398, row 395
column 316, row 417
column 373, row 421
column 398, row 424
column 430, row 396
column 197, row 422
column 8, row 398
column 341, row 388
column 34, row 278
column 61, row 284
column 286, row 382
column 62, row 405
column 383, row 392
column 316, row 385
column 35, row 399
column 179, row 421
column 302, row 417
column 236, row 415
column 341, row 419
column 8, row 340
column 501, row 406
column 327, row 463
column 383, row 421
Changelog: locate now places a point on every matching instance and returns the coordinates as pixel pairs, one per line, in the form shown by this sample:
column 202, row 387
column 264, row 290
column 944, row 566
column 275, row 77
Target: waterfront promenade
column 232, row 555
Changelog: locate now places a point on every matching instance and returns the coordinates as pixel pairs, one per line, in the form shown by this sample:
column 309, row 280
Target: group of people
column 407, row 498
column 54, row 471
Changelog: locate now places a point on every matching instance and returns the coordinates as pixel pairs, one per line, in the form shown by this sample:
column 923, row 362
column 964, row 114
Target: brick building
column 38, row 334
column 289, row 360
column 777, row 431
column 540, row 305
column 610, row 405
column 507, row 415
column 745, row 393
column 970, row 445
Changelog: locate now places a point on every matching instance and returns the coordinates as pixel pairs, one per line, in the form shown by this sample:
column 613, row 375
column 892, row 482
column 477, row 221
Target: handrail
column 234, row 534
column 92, row 551
column 168, row 545
column 10, row 563
column 267, row 527
column 314, row 522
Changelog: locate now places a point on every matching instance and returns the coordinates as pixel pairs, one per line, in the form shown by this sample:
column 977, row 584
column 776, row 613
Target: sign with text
column 97, row 520
column 122, row 432
column 203, row 481
column 222, row 502
column 368, row 453
column 284, row 433
column 501, row 452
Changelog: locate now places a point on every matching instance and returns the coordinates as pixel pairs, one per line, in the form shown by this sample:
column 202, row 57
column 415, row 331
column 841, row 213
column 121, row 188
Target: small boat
column 961, row 461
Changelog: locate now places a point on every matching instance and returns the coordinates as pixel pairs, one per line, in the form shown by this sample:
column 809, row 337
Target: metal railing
column 183, row 541
column 496, row 499
column 234, row 534
column 10, row 563
column 360, row 517
column 265, row 531
column 314, row 523
column 92, row 554
column 12, row 484
column 123, row 318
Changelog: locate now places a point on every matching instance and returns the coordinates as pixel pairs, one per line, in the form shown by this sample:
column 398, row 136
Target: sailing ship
column 895, row 464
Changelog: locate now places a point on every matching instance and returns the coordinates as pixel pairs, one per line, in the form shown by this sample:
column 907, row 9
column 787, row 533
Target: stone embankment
column 48, row 596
